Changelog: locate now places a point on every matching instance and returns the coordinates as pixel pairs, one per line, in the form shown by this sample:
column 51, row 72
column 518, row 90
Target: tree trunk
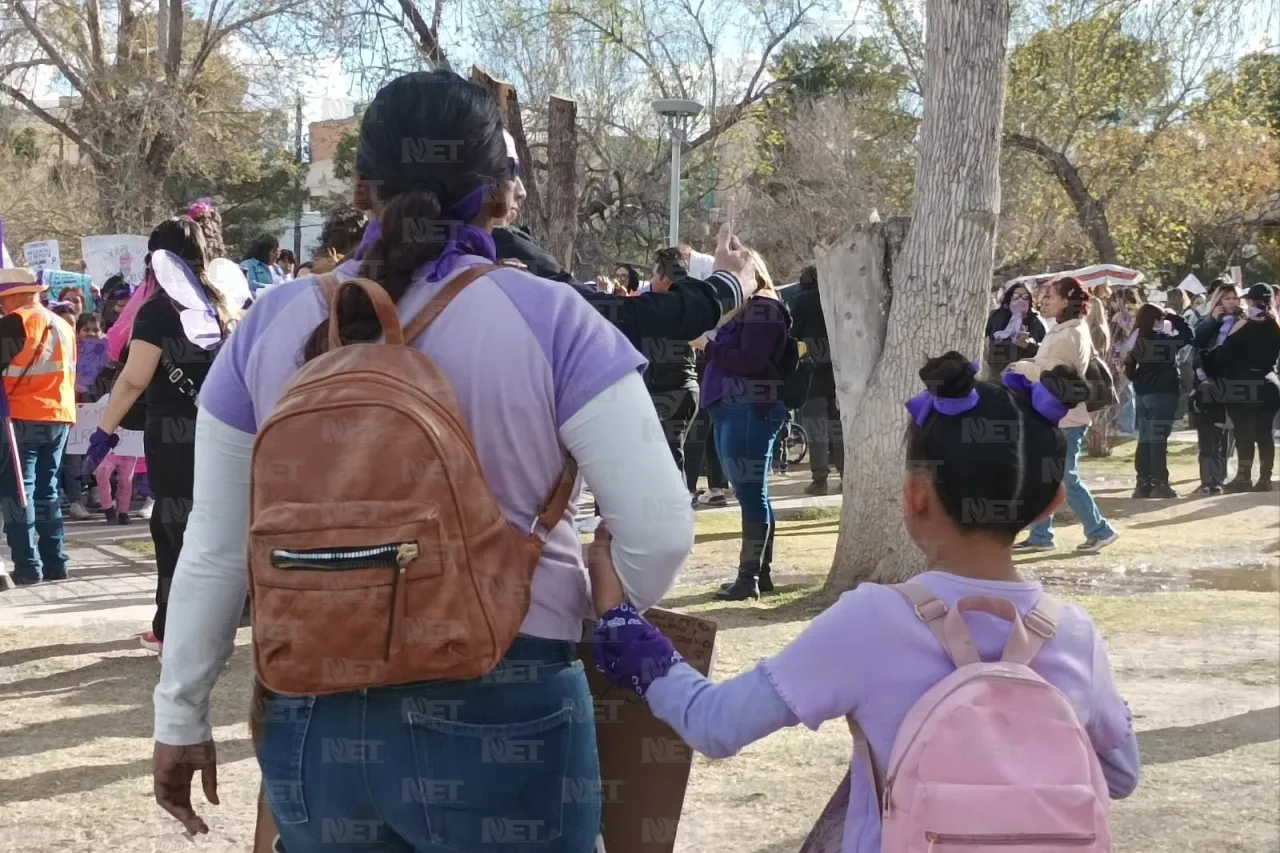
column 562, row 179
column 935, row 300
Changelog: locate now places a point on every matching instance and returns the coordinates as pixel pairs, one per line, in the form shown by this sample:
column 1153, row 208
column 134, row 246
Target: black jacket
column 1152, row 364
column 808, row 324
column 1001, row 354
column 650, row 320
column 1246, row 363
column 517, row 244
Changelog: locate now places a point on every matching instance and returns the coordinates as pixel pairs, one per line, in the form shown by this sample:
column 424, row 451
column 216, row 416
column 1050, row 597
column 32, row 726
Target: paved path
column 110, row 583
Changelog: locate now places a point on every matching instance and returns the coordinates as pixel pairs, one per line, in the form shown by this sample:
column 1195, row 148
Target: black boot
column 1143, row 490
column 755, row 538
column 1243, row 481
column 766, row 563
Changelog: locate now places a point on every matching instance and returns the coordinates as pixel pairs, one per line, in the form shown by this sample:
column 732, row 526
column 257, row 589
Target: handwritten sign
column 59, row 280
column 88, row 417
column 123, row 254
column 43, row 255
column 644, row 764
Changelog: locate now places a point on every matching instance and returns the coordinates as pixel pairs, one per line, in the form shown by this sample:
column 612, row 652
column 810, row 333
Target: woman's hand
column 172, row 770
column 606, row 588
column 100, row 444
column 733, row 257
column 699, row 343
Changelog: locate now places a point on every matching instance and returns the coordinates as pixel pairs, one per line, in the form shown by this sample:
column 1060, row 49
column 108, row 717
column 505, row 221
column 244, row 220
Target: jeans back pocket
column 492, row 787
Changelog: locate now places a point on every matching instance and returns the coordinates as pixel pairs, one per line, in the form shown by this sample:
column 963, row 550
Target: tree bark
column 935, row 300
column 562, row 179
column 1091, row 212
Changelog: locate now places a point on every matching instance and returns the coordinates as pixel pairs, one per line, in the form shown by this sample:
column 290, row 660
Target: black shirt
column 159, row 324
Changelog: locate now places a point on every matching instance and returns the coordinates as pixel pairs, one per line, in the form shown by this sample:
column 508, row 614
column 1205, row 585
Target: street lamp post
column 676, row 111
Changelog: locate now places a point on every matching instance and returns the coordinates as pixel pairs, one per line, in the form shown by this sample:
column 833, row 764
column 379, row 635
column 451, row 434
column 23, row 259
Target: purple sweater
column 742, row 360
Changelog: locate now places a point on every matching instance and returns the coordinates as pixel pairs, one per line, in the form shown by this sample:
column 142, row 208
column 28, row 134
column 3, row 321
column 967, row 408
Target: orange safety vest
column 41, row 380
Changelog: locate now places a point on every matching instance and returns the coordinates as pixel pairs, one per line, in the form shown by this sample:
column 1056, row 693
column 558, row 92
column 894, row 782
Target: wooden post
column 562, row 179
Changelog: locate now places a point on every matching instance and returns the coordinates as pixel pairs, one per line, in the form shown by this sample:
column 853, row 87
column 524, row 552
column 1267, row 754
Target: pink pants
column 123, row 467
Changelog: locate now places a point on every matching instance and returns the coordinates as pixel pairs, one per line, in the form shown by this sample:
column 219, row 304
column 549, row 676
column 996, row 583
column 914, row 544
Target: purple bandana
column 923, row 404
column 1042, row 400
column 464, row 239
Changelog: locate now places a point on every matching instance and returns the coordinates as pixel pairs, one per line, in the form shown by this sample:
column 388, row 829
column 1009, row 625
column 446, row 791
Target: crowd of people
column 1210, row 359
column 436, row 597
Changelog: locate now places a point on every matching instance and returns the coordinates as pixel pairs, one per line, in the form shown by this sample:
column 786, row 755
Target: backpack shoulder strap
column 928, row 607
column 552, row 509
column 441, row 300
column 1041, row 624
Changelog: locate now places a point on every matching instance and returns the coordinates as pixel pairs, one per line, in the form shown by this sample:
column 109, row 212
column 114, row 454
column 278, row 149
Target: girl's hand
column 629, row 652
column 606, row 588
column 699, row 343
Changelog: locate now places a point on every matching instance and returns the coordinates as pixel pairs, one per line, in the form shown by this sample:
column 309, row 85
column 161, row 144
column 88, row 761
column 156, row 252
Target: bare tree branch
column 56, row 123
column 55, row 56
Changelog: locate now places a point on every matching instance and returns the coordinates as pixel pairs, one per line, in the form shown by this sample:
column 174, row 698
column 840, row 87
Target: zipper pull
column 406, row 554
column 888, row 791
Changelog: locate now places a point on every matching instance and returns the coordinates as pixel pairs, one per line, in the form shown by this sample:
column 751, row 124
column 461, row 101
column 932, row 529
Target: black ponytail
column 428, row 140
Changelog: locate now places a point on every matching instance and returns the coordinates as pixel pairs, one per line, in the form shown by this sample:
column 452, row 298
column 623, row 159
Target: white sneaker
column 144, row 512
column 149, row 641
column 77, row 512
column 1093, row 546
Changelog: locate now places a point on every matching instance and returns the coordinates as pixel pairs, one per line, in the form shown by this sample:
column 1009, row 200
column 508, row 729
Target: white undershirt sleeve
column 622, row 452
column 209, row 586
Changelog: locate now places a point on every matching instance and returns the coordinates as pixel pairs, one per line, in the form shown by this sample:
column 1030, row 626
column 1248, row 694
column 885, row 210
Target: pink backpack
column 992, row 757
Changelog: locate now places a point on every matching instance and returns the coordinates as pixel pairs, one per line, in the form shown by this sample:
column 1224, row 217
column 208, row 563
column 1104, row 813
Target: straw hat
column 19, row 280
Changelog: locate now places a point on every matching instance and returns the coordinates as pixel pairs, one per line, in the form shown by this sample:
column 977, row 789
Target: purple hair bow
column 1042, row 400
column 466, row 239
column 923, row 404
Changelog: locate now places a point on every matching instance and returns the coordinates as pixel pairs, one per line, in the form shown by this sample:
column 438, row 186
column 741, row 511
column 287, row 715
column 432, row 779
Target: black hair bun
column 949, row 375
column 1065, row 383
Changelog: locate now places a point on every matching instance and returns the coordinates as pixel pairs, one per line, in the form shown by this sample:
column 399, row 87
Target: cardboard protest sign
column 43, row 255
column 59, row 280
column 88, row 416
column 644, row 764
column 123, row 254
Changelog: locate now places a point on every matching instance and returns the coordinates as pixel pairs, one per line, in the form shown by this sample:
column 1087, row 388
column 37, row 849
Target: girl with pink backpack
column 984, row 713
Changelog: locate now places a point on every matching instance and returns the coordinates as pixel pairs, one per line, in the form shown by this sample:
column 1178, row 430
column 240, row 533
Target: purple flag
column 91, row 357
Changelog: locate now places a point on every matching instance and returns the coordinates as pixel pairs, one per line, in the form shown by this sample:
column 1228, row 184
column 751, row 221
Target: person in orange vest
column 38, row 360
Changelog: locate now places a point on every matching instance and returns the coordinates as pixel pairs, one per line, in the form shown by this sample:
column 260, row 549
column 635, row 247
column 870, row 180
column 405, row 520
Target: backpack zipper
column 888, row 780
column 396, row 555
column 1028, row 839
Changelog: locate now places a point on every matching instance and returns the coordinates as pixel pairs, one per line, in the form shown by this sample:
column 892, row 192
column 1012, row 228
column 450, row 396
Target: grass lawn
column 1186, row 599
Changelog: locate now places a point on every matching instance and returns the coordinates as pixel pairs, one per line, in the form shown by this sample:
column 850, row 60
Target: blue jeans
column 501, row 764
column 1128, row 410
column 1078, row 497
column 744, row 439
column 40, row 447
column 1155, row 414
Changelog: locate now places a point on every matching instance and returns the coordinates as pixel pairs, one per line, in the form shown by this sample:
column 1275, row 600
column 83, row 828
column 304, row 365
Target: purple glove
column 629, row 651
column 100, row 444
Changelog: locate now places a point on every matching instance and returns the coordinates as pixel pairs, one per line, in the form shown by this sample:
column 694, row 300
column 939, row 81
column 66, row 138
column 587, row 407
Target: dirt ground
column 1187, row 599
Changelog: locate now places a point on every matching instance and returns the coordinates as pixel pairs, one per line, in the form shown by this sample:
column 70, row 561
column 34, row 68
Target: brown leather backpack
column 377, row 553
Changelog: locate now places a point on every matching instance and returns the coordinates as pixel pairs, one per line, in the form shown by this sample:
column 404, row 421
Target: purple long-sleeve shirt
column 742, row 360
column 869, row 655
